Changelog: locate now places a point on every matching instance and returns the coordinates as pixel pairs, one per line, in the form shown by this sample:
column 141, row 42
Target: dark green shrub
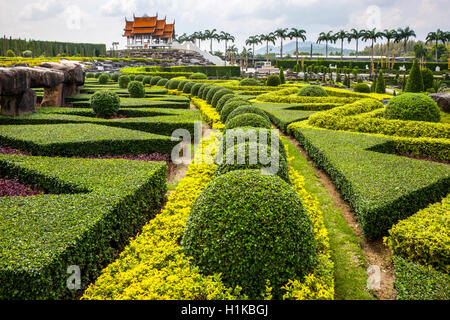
column 224, row 100
column 105, row 103
column 136, row 89
column 139, row 78
column 162, row 82
column 10, row 54
column 205, row 92
column 248, row 120
column 427, row 76
column 202, row 89
column 155, row 80
column 103, row 79
column 172, row 84
column 247, row 109
column 346, row 81
column 181, row 85
column 413, row 106
column 199, row 76
column 211, row 93
column 188, row 87
column 415, row 81
column 273, row 81
column 147, row 80
column 195, row 88
column 97, row 75
column 361, row 87
column 233, row 222
column 282, row 78
column 132, row 77
column 218, row 95
column 249, row 82
column 90, row 75
column 381, row 85
column 313, row 91
column 115, row 77
column 124, row 81
column 230, row 106
column 248, row 155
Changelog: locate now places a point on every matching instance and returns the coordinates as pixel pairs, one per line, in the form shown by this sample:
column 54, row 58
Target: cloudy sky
column 102, row 21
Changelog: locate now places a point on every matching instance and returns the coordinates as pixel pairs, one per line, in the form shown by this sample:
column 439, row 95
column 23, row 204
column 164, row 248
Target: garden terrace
column 90, row 209
column 282, row 115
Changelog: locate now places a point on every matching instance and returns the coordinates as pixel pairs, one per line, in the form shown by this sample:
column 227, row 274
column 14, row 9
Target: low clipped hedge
column 223, row 228
column 423, row 238
column 248, row 120
column 230, row 106
column 413, row 281
column 249, row 82
column 378, row 185
column 99, row 205
column 312, row 91
column 218, row 95
column 247, row 109
column 413, row 106
column 361, row 87
column 83, row 139
column 244, row 152
column 222, row 101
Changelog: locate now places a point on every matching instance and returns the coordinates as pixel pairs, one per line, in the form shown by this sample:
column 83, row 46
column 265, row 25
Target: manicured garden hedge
column 211, row 71
column 281, row 115
column 95, row 206
column 380, row 186
column 82, row 140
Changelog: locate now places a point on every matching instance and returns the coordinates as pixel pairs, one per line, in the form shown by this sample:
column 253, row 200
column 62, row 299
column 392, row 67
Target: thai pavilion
column 148, row 33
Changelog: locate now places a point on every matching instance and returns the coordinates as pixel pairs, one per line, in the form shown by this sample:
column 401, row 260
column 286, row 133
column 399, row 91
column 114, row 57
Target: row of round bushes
column 248, row 226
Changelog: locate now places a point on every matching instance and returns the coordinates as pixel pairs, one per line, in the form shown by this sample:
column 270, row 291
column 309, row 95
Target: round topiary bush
column 224, row 100
column 202, row 89
column 413, row 106
column 139, row 78
column 273, row 81
column 188, row 87
column 172, row 84
column 97, row 75
column 162, row 82
column 230, row 106
column 199, row 76
column 124, row 81
column 249, row 82
column 247, row 109
column 115, row 77
column 136, row 89
column 105, row 103
column 155, row 80
column 195, row 88
column 181, row 85
column 251, row 228
column 132, row 77
column 90, row 75
column 103, row 79
column 248, row 120
column 361, row 87
column 252, row 155
column 218, row 95
column 211, row 93
column 313, row 91
column 147, row 80
column 205, row 92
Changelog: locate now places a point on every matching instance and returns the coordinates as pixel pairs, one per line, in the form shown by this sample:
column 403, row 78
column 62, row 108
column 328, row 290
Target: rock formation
column 442, row 99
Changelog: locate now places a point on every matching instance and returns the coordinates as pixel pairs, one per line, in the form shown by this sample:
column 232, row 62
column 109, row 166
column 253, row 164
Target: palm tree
column 268, row 38
column 404, row 34
column 342, row 34
column 372, row 35
column 389, row 35
column 281, row 34
column 327, row 37
column 356, row 35
column 437, row 36
column 225, row 36
column 252, row 41
column 297, row 34
column 210, row 35
column 198, row 35
column 232, row 52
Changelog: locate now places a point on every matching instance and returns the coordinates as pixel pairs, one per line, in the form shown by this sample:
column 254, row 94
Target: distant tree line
column 50, row 48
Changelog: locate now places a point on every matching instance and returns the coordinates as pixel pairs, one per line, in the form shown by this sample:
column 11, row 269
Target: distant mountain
column 289, row 48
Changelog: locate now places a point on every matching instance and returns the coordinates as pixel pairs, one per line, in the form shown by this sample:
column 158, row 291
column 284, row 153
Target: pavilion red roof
column 149, row 26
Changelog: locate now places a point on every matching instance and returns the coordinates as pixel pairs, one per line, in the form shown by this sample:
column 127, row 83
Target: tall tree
column 356, row 35
column 297, row 34
column 437, row 36
column 341, row 35
column 252, row 41
column 372, row 35
column 404, row 35
column 389, row 35
column 268, row 38
column 225, row 36
column 211, row 35
column 282, row 34
column 326, row 37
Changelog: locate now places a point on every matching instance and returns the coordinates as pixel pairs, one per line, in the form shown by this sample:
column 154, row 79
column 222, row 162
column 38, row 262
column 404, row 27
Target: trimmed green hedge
column 282, row 115
column 83, row 139
column 91, row 210
column 382, row 188
column 248, row 120
column 187, row 71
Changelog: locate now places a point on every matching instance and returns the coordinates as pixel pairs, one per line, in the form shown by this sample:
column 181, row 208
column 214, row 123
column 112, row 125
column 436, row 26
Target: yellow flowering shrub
column 211, row 116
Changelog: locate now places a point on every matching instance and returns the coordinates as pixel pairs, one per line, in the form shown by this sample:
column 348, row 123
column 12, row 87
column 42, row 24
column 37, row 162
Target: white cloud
column 42, row 9
column 114, row 8
column 73, row 17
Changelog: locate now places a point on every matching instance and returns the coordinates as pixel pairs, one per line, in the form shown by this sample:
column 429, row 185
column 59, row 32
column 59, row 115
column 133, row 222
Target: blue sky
column 102, row 21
